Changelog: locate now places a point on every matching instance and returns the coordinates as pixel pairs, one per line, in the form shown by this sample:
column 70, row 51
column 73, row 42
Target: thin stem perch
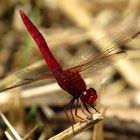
column 78, row 127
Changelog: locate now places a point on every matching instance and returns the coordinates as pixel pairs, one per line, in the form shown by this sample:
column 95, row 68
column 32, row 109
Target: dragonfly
column 70, row 79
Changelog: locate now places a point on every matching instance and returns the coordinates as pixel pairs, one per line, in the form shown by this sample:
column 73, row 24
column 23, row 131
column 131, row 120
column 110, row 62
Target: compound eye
column 92, row 100
column 92, row 96
column 92, row 91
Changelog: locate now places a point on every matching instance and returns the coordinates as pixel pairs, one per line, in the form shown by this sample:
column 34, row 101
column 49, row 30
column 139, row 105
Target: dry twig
column 78, row 128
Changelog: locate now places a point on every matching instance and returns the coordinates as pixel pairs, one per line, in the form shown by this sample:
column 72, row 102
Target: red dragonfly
column 69, row 80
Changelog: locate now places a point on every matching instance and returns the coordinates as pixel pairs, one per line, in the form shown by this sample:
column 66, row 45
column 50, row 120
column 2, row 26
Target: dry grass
column 73, row 28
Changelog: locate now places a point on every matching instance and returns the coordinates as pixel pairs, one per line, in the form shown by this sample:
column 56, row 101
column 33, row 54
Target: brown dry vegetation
column 73, row 28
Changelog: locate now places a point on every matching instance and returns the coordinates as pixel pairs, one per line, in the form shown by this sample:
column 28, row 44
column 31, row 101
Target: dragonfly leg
column 95, row 108
column 69, row 106
column 83, row 108
column 76, row 112
column 87, row 108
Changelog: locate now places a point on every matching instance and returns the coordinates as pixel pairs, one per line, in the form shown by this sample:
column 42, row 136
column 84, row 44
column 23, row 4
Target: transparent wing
column 120, row 37
column 100, row 61
column 110, row 54
column 28, row 81
column 31, row 73
column 27, row 76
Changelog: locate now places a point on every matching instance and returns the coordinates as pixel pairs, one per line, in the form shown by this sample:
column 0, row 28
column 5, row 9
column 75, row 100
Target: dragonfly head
column 89, row 96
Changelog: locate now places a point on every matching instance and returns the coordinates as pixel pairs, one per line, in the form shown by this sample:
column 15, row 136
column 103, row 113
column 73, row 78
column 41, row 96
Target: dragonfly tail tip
column 21, row 12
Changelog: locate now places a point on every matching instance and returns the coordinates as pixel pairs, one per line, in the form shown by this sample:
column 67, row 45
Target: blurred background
column 74, row 30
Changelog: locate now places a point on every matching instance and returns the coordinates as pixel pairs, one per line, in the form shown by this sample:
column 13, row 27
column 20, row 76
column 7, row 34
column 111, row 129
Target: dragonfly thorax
column 89, row 96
